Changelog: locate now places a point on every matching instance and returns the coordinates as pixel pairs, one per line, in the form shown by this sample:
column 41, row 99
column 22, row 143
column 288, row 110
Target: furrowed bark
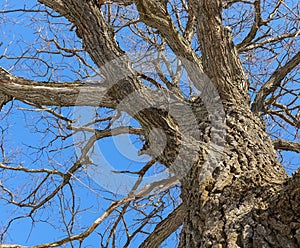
column 219, row 56
column 222, row 208
column 54, row 94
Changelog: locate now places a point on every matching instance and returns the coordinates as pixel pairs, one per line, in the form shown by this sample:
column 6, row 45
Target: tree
column 217, row 129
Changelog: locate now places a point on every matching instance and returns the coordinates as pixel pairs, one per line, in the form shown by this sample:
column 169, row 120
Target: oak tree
column 212, row 88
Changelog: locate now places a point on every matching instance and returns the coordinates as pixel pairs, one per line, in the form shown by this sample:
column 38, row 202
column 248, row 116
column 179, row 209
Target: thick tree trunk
column 240, row 204
column 236, row 206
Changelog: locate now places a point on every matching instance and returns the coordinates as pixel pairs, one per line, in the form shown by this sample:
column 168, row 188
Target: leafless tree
column 213, row 90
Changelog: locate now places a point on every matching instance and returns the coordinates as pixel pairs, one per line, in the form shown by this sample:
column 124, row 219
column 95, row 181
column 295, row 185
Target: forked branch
column 273, row 83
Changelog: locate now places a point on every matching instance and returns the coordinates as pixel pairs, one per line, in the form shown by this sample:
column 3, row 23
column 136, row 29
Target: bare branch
column 256, row 44
column 165, row 228
column 219, row 55
column 286, row 145
column 255, row 26
column 273, row 83
column 80, row 236
column 53, row 93
column 20, row 168
column 156, row 16
column 56, row 5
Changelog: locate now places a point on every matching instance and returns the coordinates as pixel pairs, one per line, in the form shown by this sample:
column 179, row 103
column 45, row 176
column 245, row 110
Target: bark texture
column 225, row 210
column 234, row 207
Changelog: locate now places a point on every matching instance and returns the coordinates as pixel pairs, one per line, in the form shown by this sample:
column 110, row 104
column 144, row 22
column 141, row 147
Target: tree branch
column 156, row 16
column 254, row 44
column 56, row 5
column 165, row 228
column 286, row 145
column 4, row 99
column 284, row 211
column 255, row 26
column 53, row 93
column 273, row 83
column 219, row 55
column 82, row 235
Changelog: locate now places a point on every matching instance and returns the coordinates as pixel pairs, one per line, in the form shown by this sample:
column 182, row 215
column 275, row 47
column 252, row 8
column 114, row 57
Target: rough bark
column 225, row 210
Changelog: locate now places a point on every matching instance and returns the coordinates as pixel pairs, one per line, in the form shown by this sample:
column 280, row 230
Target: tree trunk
column 236, row 206
column 241, row 204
